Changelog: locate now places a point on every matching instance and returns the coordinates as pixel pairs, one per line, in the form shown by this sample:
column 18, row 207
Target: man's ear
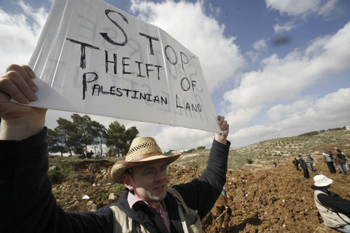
column 128, row 182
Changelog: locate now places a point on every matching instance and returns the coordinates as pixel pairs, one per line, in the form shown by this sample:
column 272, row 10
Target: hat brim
column 118, row 168
column 324, row 184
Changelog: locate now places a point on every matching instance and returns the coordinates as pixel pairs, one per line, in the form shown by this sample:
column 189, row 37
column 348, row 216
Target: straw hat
column 322, row 181
column 142, row 149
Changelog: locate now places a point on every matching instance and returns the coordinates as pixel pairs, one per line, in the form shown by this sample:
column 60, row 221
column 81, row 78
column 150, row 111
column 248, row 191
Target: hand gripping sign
column 94, row 58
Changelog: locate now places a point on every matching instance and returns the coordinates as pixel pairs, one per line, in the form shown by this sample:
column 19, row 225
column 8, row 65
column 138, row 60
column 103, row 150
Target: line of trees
column 74, row 136
column 321, row 131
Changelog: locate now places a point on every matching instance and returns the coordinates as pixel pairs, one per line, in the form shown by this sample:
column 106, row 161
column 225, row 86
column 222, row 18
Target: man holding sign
column 147, row 205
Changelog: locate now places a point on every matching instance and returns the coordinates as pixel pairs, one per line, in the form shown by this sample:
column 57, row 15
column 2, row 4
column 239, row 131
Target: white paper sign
column 96, row 59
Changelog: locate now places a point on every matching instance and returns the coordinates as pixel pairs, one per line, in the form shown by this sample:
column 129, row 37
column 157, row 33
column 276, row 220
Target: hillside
column 263, row 198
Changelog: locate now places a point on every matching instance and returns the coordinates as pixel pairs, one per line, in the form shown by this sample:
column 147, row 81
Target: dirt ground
column 276, row 200
column 262, row 198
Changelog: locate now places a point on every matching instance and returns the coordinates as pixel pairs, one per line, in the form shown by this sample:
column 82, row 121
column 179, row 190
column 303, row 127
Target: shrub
column 60, row 171
column 55, row 176
column 189, row 151
column 249, row 161
column 194, row 165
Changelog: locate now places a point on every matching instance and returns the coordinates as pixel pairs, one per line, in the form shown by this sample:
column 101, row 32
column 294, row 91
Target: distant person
column 304, row 167
column 329, row 160
column 89, row 154
column 334, row 210
column 274, row 164
column 310, row 163
column 342, row 160
column 296, row 164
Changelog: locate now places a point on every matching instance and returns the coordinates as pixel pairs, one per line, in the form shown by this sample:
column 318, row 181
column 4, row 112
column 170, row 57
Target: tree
column 75, row 136
column 131, row 133
column 65, row 130
column 99, row 133
column 119, row 139
column 55, row 142
column 83, row 133
column 116, row 137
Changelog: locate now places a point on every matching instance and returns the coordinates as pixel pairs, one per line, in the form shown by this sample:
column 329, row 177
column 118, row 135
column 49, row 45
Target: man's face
column 149, row 181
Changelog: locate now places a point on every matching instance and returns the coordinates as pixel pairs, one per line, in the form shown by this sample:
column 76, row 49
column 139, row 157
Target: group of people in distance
column 88, row 155
column 334, row 210
column 304, row 164
column 339, row 161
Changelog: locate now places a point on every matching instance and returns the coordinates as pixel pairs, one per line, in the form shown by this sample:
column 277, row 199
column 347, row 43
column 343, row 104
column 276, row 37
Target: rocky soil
column 262, row 198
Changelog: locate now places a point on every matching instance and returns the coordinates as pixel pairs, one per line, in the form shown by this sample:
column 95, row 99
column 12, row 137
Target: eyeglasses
column 152, row 173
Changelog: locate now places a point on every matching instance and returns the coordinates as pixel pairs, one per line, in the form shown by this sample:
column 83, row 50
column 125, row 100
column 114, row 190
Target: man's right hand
column 19, row 121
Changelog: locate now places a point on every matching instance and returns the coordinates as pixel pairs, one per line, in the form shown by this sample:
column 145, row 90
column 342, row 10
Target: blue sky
column 273, row 68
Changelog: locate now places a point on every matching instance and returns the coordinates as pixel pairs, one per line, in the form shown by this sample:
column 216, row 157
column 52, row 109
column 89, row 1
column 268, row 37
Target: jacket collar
column 323, row 190
column 143, row 214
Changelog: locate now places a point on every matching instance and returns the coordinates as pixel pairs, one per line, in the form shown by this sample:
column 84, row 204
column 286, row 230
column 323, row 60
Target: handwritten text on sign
column 94, row 58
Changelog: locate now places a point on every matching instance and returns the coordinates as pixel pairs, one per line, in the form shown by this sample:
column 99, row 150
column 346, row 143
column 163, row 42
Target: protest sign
column 96, row 59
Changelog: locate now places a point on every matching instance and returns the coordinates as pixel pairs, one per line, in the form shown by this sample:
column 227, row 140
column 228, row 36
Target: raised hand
column 19, row 121
column 224, row 126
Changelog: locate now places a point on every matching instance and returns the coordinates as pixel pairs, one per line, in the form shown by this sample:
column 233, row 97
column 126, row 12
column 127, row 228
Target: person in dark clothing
column 334, row 210
column 82, row 156
column 342, row 162
column 304, row 167
column 329, row 160
column 146, row 205
column 89, row 154
column 296, row 164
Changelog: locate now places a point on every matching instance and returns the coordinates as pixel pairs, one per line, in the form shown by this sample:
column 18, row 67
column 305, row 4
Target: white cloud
column 242, row 117
column 285, row 78
column 284, row 28
column 280, row 111
column 260, row 45
column 220, row 58
column 331, row 111
column 19, row 34
column 301, row 7
column 175, row 138
column 253, row 56
column 215, row 11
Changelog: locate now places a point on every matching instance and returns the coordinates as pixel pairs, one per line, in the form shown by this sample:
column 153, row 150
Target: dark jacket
column 333, row 201
column 28, row 205
column 302, row 164
column 341, row 158
column 295, row 162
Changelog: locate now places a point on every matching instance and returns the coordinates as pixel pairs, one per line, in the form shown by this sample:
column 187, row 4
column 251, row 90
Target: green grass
column 102, row 195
